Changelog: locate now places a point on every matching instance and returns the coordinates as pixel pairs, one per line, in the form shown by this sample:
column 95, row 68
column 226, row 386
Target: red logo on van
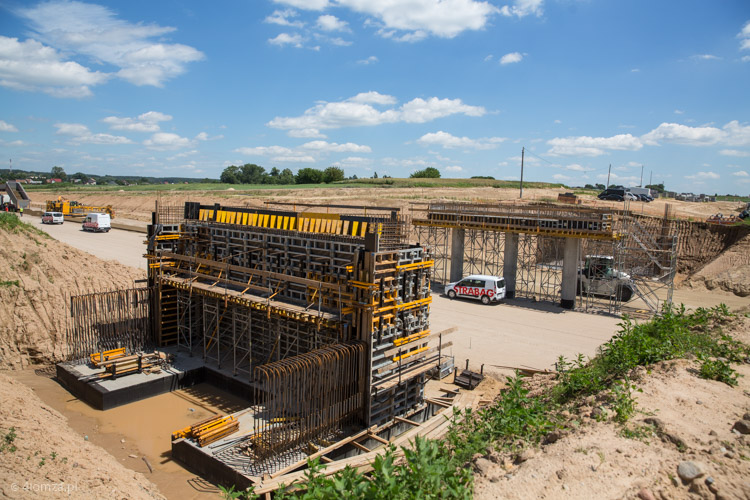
column 465, row 290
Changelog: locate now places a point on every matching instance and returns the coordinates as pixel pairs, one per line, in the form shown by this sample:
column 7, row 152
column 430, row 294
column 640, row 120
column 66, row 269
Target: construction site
column 319, row 317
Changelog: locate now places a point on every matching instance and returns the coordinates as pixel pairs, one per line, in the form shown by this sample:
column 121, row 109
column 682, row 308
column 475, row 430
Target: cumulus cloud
column 7, row 127
column 449, row 141
column 744, row 37
column 734, row 152
column 368, row 60
column 145, row 122
column 741, row 173
column 705, row 57
column 166, row 141
column 454, row 168
column 283, row 39
column 415, row 20
column 513, row 57
column 732, row 134
column 32, row 66
column 561, row 177
column 700, row 176
column 361, row 110
column 593, row 146
column 139, row 51
column 328, row 22
column 349, row 147
column 284, row 18
column 80, row 134
column 523, row 8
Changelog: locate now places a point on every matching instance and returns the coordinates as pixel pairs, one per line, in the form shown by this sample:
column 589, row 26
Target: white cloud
column 283, row 39
column 264, row 151
column 557, row 122
column 734, row 152
column 561, row 177
column 138, row 50
column 145, row 122
column 593, row 146
column 700, row 176
column 450, row 141
column 576, row 168
column 31, row 66
column 741, row 173
column 349, row 147
column 679, row 112
column 419, row 18
column 165, row 141
column 513, row 57
column 705, row 57
column 744, row 37
column 369, row 60
column 523, row 8
column 282, row 18
column 635, row 70
column 732, row 134
column 328, row 22
column 7, row 127
column 454, row 168
column 80, row 134
column 360, row 111
column 356, row 161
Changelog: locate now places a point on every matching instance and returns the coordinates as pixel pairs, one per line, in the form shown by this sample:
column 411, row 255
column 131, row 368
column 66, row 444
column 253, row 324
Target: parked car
column 478, row 286
column 645, row 197
column 630, row 196
column 612, row 194
column 52, row 218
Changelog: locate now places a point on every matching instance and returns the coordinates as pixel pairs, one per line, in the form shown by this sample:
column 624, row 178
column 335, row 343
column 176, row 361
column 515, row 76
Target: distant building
column 53, row 181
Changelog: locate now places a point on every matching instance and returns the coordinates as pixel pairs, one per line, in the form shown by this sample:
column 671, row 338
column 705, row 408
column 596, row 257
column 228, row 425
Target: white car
column 52, row 218
column 630, row 196
column 478, row 286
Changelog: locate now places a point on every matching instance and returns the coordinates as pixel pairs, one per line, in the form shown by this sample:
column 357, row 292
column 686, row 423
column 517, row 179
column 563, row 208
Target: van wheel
column 485, row 300
column 451, row 294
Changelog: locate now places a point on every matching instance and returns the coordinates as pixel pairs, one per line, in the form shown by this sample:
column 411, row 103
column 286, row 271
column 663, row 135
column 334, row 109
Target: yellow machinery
column 68, row 207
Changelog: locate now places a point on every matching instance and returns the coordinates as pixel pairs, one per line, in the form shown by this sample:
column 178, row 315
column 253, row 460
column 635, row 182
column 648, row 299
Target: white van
column 97, row 222
column 52, row 218
column 478, row 286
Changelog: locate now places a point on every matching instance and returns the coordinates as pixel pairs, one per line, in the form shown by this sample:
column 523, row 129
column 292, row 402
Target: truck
column 599, row 278
column 97, row 222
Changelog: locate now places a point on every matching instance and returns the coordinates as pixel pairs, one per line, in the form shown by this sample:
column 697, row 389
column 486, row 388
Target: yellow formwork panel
column 232, row 217
column 245, row 217
column 355, row 226
column 202, row 214
column 345, row 229
column 364, row 229
column 253, row 219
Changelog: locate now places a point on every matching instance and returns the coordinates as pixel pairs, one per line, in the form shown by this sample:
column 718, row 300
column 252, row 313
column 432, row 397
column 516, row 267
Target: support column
column 570, row 273
column 510, row 264
column 457, row 254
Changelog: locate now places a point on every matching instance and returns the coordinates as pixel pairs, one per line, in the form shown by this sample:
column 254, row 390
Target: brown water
column 142, row 428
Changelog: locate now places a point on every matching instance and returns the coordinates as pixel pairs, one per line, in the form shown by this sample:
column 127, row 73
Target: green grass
column 13, row 224
column 441, row 469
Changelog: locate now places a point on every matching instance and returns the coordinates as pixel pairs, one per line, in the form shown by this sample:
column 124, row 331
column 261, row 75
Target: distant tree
column 354, row 177
column 250, row 173
column 80, row 176
column 489, row 177
column 309, row 176
column 286, row 177
column 230, row 175
column 375, row 175
column 58, row 173
column 600, row 186
column 427, row 173
column 659, row 188
column 273, row 176
column 333, row 174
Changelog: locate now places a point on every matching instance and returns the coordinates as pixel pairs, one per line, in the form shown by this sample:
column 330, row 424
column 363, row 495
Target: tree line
column 251, row 173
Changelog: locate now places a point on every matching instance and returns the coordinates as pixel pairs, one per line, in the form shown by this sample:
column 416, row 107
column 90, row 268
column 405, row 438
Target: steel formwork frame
column 249, row 289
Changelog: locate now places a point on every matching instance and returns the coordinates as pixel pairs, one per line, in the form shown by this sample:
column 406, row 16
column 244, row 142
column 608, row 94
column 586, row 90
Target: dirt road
column 126, row 247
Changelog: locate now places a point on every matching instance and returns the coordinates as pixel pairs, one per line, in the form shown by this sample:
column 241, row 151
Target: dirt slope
column 596, row 461
column 730, row 271
column 38, row 277
column 48, row 460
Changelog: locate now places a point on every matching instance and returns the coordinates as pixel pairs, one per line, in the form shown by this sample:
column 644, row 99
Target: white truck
column 97, row 222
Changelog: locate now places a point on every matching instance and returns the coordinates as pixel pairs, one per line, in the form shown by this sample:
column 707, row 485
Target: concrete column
column 510, row 264
column 570, row 273
column 457, row 254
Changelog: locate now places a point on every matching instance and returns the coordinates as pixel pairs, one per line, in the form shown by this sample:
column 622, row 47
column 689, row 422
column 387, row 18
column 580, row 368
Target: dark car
column 612, row 194
column 645, row 197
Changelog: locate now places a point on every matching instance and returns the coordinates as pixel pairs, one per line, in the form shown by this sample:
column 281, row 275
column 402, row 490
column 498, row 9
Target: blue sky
column 187, row 88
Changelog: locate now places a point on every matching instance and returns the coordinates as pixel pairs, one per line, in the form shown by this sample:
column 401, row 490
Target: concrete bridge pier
column 510, row 264
column 570, row 272
column 457, row 254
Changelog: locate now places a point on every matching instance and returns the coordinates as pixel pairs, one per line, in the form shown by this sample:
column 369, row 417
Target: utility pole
column 609, row 172
column 522, row 153
column 641, row 184
column 651, row 179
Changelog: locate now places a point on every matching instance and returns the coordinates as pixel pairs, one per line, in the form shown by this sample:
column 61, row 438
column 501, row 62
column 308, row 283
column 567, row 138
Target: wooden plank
column 361, row 447
column 406, row 421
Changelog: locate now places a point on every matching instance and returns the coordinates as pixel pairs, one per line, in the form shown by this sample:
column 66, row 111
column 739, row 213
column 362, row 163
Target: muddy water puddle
column 141, row 429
